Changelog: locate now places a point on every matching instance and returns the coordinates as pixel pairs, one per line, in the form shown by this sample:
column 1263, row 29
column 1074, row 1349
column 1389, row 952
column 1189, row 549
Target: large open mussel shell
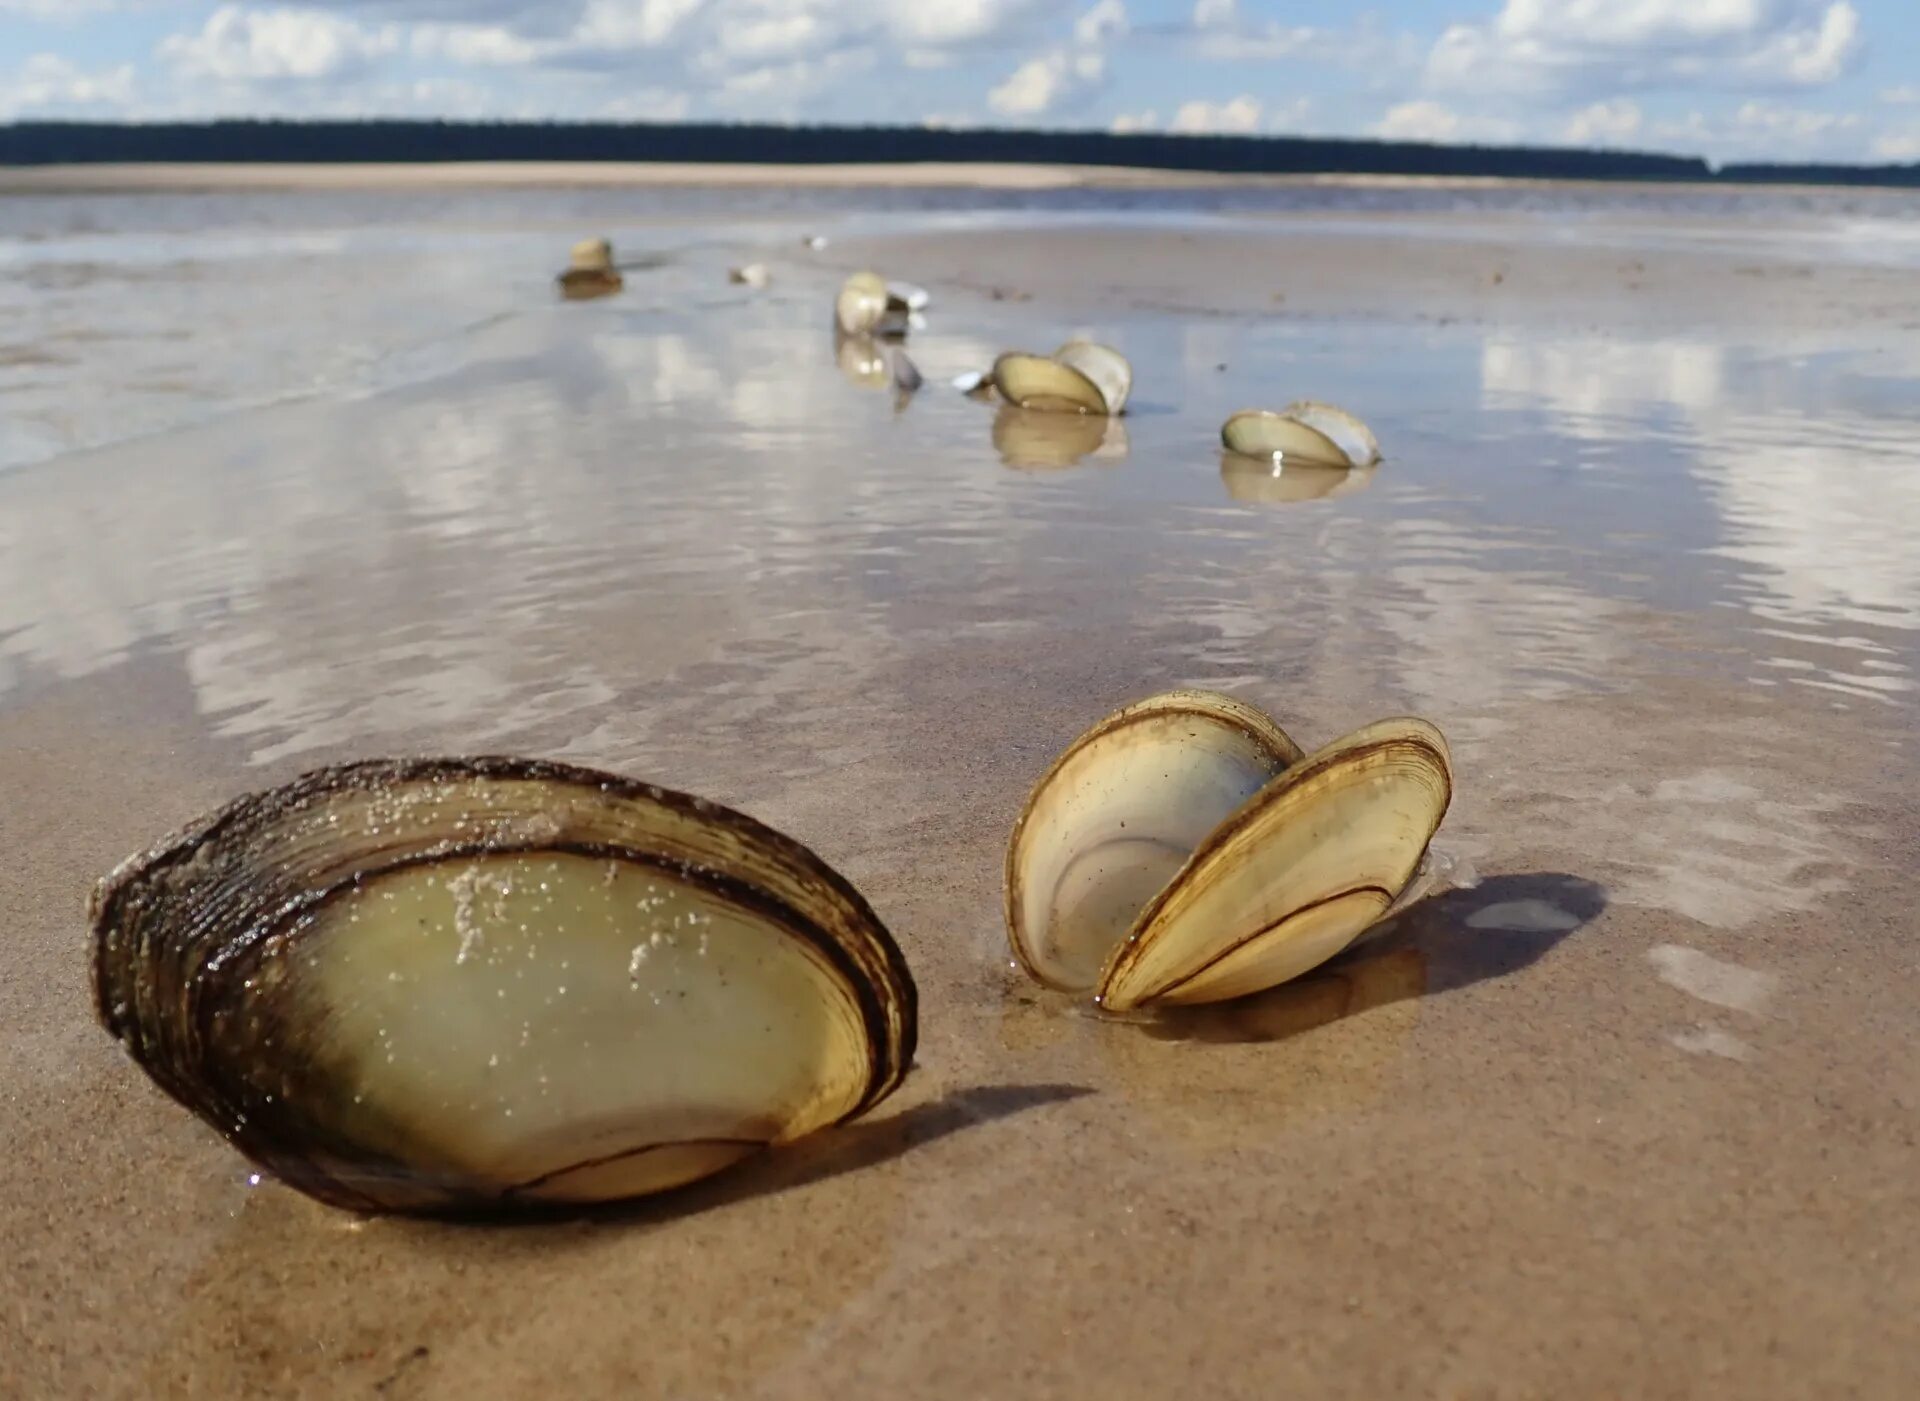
column 480, row 983
column 1183, row 851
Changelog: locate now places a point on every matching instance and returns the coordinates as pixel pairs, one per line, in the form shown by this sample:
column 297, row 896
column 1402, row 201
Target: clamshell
column 1183, row 851
column 482, row 984
column 1305, row 433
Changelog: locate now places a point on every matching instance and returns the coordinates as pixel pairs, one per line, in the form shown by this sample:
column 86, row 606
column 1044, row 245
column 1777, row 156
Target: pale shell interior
column 1293, row 877
column 560, row 1026
column 1045, row 385
column 1105, row 366
column 1118, row 815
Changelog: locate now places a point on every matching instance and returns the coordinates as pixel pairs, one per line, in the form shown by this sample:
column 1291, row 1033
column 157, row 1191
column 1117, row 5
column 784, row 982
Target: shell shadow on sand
column 1443, row 944
column 852, row 1147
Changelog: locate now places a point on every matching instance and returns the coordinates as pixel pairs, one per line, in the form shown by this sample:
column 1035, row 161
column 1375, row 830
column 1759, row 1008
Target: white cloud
column 474, row 45
column 632, row 24
column 1104, row 23
column 1426, row 120
column 1215, row 14
column 1049, row 82
column 1898, row 145
column 243, row 46
column 1765, row 131
column 61, row 9
column 1574, row 45
column 1129, row 123
column 1902, row 96
column 1238, row 116
column 47, row 84
column 1610, row 123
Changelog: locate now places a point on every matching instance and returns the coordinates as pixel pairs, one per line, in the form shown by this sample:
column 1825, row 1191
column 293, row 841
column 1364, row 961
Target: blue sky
column 1733, row 79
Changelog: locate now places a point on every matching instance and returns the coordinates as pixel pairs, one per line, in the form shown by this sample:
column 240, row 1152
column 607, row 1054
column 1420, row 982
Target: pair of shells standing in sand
column 495, row 983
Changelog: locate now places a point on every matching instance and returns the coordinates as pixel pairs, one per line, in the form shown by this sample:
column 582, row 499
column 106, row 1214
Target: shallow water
column 1659, row 589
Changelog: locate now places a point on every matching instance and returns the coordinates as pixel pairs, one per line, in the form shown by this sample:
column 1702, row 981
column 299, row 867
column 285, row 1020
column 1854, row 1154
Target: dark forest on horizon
column 371, row 141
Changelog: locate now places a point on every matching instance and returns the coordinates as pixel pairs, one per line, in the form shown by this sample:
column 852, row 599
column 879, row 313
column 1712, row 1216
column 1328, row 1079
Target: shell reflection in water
column 1033, row 440
column 1184, row 850
column 876, row 364
column 1265, row 481
column 486, row 983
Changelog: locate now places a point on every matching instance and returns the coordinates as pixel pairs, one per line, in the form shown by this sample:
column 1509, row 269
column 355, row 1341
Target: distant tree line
column 338, row 142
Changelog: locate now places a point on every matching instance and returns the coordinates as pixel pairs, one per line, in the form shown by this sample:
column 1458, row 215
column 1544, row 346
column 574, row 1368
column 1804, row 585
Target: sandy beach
column 1629, row 1111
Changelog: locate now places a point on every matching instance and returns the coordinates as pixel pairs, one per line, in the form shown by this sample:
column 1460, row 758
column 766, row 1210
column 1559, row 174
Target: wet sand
column 1634, row 1115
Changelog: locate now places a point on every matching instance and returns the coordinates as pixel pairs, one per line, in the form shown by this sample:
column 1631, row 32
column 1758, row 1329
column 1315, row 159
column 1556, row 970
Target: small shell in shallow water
column 474, row 984
column 1183, row 850
column 1309, row 433
column 1080, row 377
column 590, row 271
column 866, row 306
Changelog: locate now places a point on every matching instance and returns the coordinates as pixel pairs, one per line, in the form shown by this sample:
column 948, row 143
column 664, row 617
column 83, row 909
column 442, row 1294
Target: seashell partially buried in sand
column 1183, row 850
column 1081, row 377
column 461, row 984
column 591, row 271
column 1308, row 433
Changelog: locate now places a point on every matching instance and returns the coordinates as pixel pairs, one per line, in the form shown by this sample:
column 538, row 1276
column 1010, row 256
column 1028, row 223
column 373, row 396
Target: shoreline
column 192, row 177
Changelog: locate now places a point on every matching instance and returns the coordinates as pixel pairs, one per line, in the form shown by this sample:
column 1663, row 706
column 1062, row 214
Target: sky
column 1729, row 79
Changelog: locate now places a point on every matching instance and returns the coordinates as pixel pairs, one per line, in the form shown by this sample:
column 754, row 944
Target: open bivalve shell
column 867, row 306
column 1308, row 433
column 1080, row 377
column 1184, row 851
column 591, row 271
column 471, row 984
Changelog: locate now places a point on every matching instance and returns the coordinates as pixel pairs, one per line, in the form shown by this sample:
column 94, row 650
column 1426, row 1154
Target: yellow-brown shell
column 456, row 984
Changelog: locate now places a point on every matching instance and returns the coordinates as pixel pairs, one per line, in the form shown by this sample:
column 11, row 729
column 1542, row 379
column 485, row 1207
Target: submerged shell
column 1045, row 385
column 1105, row 366
column 1183, row 851
column 482, row 983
